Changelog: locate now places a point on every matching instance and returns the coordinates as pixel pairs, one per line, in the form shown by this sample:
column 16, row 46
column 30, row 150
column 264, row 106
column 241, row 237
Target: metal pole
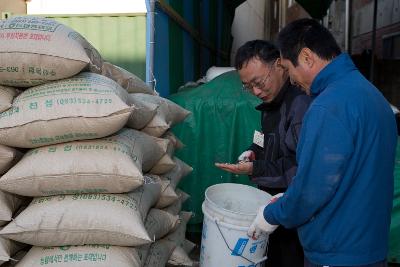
column 150, row 5
column 347, row 29
column 372, row 66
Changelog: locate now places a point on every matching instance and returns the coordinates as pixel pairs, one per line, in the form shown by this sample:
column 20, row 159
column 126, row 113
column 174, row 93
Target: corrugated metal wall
column 120, row 39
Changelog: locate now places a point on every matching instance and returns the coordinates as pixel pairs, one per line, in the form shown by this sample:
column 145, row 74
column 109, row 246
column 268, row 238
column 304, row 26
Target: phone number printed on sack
column 127, row 202
column 75, row 100
column 124, row 201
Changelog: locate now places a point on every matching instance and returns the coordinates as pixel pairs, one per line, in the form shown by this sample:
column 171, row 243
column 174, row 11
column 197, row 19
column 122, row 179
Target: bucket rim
column 230, row 211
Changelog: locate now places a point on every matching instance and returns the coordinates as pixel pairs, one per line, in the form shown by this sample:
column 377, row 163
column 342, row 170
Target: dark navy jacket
column 281, row 120
column 341, row 198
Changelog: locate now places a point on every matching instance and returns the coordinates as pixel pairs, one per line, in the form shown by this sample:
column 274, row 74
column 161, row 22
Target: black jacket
column 281, row 120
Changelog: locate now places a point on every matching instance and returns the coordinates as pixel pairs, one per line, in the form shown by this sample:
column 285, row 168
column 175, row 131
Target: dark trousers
column 307, row 263
column 284, row 249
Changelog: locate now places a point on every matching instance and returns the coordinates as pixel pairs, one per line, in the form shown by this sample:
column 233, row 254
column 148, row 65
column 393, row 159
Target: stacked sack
column 166, row 223
column 93, row 172
column 9, row 203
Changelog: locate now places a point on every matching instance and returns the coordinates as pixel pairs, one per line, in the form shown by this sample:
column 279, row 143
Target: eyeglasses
column 248, row 87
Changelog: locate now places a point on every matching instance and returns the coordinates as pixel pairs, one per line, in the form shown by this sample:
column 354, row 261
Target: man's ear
column 307, row 57
column 279, row 64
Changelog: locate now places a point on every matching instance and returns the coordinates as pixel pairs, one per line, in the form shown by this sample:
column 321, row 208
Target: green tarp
column 221, row 126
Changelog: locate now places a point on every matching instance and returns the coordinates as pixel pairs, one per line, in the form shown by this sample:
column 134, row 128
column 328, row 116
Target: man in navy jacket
column 272, row 164
column 340, row 200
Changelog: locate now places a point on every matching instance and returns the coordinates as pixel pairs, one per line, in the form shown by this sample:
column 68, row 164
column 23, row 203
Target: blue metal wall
column 161, row 53
column 178, row 57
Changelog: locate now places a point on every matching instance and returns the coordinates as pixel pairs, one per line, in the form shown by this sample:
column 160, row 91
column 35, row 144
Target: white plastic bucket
column 229, row 210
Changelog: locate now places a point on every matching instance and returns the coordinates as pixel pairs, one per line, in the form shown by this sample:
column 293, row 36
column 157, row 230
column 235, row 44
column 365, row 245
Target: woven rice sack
column 87, row 106
column 180, row 257
column 176, row 207
column 8, row 248
column 170, row 180
column 15, row 259
column 9, row 204
column 8, row 158
column 178, row 172
column 143, row 145
column 178, row 236
column 145, row 112
column 143, row 252
column 7, row 95
column 146, row 196
column 166, row 145
column 127, row 80
column 164, row 165
column 81, row 219
column 168, row 114
column 108, row 165
column 36, row 50
column 168, row 194
column 159, row 253
column 175, row 140
column 159, row 223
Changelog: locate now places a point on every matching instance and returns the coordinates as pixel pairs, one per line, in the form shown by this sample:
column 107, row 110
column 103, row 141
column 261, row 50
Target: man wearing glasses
column 271, row 162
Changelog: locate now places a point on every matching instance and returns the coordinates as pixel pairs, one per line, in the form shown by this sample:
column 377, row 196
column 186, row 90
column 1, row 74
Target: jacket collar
column 338, row 67
column 277, row 101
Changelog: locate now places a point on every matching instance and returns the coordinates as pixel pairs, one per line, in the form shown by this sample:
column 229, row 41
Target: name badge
column 258, row 139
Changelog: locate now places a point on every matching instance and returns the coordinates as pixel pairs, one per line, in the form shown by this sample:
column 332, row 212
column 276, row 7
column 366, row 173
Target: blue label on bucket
column 253, row 248
column 240, row 246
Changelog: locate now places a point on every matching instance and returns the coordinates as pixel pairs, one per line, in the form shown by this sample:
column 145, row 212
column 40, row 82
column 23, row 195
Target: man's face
column 260, row 79
column 298, row 74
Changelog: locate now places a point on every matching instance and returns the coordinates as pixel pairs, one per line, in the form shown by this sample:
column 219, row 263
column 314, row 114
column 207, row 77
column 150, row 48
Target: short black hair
column 306, row 33
column 265, row 51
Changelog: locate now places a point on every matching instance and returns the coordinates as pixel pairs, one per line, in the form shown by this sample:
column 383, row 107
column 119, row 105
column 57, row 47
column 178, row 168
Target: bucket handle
column 231, row 250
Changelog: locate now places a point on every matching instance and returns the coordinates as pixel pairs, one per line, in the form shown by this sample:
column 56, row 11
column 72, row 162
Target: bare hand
column 239, row 168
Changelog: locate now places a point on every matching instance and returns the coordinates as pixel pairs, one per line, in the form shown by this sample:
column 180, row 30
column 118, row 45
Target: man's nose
column 257, row 91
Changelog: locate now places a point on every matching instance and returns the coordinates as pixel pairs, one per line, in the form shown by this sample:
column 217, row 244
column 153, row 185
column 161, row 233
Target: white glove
column 259, row 224
column 247, row 156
